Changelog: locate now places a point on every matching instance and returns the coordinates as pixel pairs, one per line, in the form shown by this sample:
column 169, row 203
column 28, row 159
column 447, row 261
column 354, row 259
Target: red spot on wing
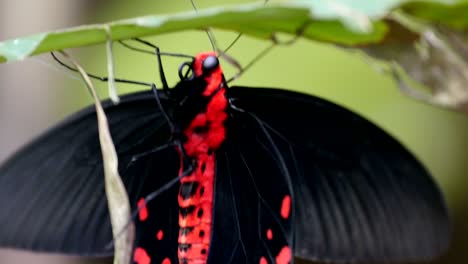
column 160, row 235
column 263, row 260
column 269, row 234
column 143, row 213
column 166, row 261
column 141, row 257
column 286, row 207
column 284, row 257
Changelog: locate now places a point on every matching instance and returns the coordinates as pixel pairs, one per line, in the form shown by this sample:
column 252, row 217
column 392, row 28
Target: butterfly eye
column 210, row 63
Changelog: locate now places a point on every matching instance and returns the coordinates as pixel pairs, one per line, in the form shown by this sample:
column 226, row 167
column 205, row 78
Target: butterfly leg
column 187, row 160
column 234, row 107
column 149, row 198
column 157, row 52
column 167, row 185
column 163, row 188
column 138, row 156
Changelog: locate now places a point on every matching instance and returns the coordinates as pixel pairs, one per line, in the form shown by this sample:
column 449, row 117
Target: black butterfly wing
column 358, row 195
column 52, row 195
column 252, row 220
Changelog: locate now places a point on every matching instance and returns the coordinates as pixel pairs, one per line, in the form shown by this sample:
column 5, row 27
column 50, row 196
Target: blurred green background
column 36, row 93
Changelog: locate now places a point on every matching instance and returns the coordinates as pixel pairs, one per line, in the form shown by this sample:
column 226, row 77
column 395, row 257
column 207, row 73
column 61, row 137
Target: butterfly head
column 206, row 64
column 202, row 85
column 205, row 67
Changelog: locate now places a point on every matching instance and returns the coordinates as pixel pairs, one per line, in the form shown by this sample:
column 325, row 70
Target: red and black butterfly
column 265, row 175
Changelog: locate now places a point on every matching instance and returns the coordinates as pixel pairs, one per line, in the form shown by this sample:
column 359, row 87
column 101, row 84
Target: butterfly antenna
column 232, row 43
column 210, row 34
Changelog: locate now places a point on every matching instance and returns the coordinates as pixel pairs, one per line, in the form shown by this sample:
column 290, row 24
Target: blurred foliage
column 445, row 12
column 437, row 137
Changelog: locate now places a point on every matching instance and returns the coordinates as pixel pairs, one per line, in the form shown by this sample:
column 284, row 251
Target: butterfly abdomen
column 203, row 136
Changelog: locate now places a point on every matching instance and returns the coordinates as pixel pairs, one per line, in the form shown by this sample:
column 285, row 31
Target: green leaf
column 20, row 48
column 452, row 13
column 343, row 22
column 370, row 25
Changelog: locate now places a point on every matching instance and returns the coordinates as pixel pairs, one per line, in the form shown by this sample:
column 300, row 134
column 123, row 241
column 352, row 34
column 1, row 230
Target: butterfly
column 265, row 175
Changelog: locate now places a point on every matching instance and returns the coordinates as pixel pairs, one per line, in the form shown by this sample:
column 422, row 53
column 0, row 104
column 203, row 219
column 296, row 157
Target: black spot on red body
column 200, row 213
column 185, row 211
column 201, row 129
column 185, row 230
column 184, row 247
column 188, row 189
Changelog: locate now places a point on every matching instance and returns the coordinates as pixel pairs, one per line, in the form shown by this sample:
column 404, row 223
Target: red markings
column 269, row 234
column 263, row 260
column 195, row 253
column 143, row 213
column 166, row 261
column 141, row 257
column 286, row 207
column 200, row 234
column 284, row 257
column 160, row 235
